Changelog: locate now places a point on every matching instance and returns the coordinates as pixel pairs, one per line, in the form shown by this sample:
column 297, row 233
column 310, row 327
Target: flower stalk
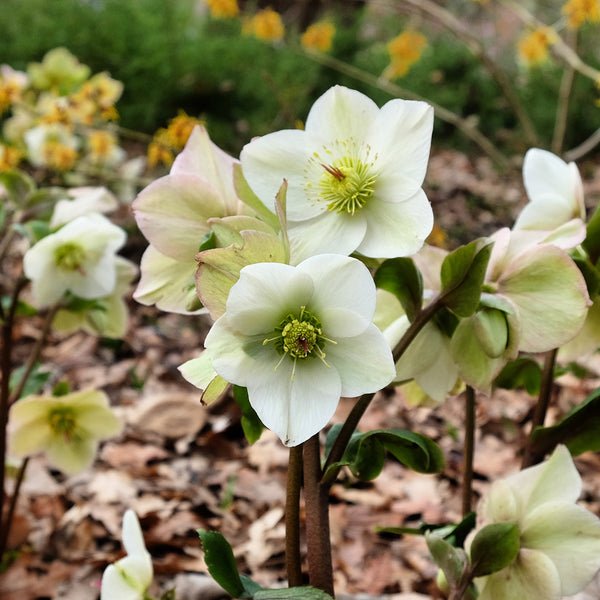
column 468, row 451
column 292, row 518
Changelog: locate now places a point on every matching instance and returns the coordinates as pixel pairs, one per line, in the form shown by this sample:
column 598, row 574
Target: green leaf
column 35, row 381
column 590, row 274
column 23, row 309
column 251, row 424
column 365, row 454
column 591, row 244
column 494, row 547
column 19, row 186
column 34, row 231
column 220, row 561
column 452, row 561
column 462, row 276
column 62, row 388
column 579, row 429
column 294, row 593
column 247, row 196
column 525, row 372
column 401, row 277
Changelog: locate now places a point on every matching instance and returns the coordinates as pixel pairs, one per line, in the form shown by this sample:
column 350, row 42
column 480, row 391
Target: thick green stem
column 318, row 542
column 530, row 456
column 468, row 450
column 292, row 518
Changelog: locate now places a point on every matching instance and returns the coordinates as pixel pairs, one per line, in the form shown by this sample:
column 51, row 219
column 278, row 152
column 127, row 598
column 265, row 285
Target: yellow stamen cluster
column 70, row 257
column 579, row 11
column 102, row 145
column 64, row 423
column 266, row 25
column 404, row 50
column 318, row 36
column 533, row 48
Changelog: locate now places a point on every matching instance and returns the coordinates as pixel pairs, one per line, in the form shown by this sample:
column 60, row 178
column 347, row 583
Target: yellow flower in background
column 59, row 156
column 404, row 50
column 265, row 25
column 533, row 48
column 10, row 157
column 223, row 8
column 12, row 84
column 318, row 36
column 169, row 141
column 579, row 11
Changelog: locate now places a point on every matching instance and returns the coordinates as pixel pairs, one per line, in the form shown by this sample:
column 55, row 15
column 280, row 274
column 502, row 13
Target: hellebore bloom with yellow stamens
column 298, row 338
column 354, row 176
column 559, row 541
column 78, row 258
column 130, row 577
column 66, row 427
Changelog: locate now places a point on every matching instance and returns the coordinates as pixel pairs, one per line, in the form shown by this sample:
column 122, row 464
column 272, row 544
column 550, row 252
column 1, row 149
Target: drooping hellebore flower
column 130, row 577
column 559, row 540
column 298, row 338
column 78, row 258
column 67, row 428
column 354, row 176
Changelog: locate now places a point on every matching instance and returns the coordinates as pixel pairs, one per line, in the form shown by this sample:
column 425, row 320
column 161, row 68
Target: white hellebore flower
column 78, row 258
column 300, row 337
column 354, row 176
column 131, row 576
column 559, row 541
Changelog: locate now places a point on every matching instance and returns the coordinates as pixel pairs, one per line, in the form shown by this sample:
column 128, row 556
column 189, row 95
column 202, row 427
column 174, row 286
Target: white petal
column 133, row 539
column 570, row 536
column 364, row 362
column 198, row 371
column 396, row 228
column 340, row 283
column 114, row 587
column 341, row 114
column 264, row 295
column 328, row 232
column 138, row 570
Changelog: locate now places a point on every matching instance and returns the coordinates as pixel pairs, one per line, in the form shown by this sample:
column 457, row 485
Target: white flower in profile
column 78, row 258
column 82, row 201
column 559, row 540
column 554, row 189
column 298, row 338
column 354, row 176
column 130, row 577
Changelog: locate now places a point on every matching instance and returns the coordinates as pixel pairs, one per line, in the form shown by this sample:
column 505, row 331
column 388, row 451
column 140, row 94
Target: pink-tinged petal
column 340, row 283
column 168, row 283
column 329, row 232
column 536, row 485
column 551, row 295
column 265, row 294
column 172, row 213
column 569, row 535
column 587, row 340
column 203, row 158
column 401, row 137
column 396, row 228
column 299, row 402
column 364, row 362
column 341, row 114
column 269, row 160
column 532, row 576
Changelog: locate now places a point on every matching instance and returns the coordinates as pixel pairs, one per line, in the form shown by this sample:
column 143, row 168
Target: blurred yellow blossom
column 223, row 8
column 168, row 142
column 59, row 156
column 404, row 50
column 533, row 48
column 318, row 36
column 578, row 11
column 266, row 25
column 12, row 84
column 9, row 157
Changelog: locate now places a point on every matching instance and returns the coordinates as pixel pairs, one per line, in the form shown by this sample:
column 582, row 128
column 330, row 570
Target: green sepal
column 220, row 561
column 62, row 388
column 591, row 244
column 524, row 371
column 214, row 390
column 401, row 277
column 247, row 196
column 462, row 276
column 452, row 561
column 251, row 424
column 494, row 547
column 579, row 429
column 366, row 452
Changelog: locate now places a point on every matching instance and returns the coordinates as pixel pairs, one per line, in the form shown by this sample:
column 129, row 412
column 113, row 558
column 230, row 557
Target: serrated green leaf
column 401, row 277
column 462, row 275
column 247, row 196
column 295, row 593
column 251, row 424
column 494, row 547
column 220, row 561
column 579, row 429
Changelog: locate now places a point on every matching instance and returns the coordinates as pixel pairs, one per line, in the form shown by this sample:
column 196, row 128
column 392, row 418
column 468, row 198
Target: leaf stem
column 292, row 518
column 468, row 450
column 320, row 567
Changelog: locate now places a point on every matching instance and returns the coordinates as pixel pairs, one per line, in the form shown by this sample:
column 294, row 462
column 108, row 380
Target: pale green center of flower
column 346, row 185
column 70, row 257
column 63, row 423
column 299, row 337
